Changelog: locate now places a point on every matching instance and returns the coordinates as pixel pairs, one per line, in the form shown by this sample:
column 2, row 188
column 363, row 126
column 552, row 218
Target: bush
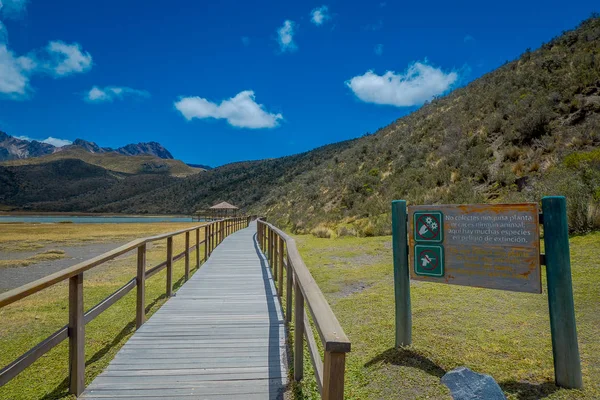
column 322, row 232
column 346, row 231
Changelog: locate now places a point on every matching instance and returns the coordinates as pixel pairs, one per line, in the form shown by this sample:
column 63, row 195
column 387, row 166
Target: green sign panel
column 428, row 226
column 429, row 260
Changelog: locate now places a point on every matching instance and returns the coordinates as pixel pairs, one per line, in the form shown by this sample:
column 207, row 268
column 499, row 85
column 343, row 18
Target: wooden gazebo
column 218, row 211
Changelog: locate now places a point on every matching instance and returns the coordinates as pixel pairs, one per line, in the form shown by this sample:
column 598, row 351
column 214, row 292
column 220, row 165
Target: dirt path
column 11, row 278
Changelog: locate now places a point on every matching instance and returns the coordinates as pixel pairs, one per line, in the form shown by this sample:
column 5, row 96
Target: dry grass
column 47, row 255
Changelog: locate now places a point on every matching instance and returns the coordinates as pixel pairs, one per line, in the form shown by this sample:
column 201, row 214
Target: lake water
column 47, row 219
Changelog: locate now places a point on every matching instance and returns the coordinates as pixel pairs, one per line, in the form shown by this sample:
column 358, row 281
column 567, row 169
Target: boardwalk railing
column 329, row 373
column 214, row 233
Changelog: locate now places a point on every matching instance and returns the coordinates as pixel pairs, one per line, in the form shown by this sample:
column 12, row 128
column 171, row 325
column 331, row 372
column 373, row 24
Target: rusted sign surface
column 491, row 246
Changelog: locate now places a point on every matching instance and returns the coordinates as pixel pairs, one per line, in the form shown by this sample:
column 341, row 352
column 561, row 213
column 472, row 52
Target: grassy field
column 504, row 334
column 28, row 321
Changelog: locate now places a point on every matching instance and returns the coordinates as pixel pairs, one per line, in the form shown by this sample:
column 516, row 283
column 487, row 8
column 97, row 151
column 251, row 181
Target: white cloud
column 245, row 40
column 66, row 59
column 110, row 93
column 419, row 83
column 50, row 140
column 285, row 36
column 319, row 15
column 14, row 74
column 241, row 111
column 57, row 142
column 57, row 59
column 379, row 49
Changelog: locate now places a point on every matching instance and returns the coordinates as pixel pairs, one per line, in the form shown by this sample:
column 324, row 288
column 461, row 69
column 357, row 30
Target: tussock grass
column 504, row 334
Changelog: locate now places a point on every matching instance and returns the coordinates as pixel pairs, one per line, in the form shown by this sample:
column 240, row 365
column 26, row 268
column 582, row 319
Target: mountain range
column 528, row 129
column 12, row 148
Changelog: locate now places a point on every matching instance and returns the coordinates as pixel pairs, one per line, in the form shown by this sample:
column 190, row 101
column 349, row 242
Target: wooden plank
column 280, row 264
column 313, row 351
column 140, row 312
column 187, row 256
column 333, row 376
column 197, row 248
column 298, row 332
column 76, row 336
column 169, row 266
column 17, row 366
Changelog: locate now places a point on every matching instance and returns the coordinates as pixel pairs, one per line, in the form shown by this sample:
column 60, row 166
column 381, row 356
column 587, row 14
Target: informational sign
column 491, row 246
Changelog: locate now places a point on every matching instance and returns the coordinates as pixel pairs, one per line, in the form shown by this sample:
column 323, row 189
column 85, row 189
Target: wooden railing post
column 169, row 266
column 275, row 257
column 271, row 247
column 140, row 312
column 198, row 248
column 280, row 265
column 288, row 291
column 210, row 238
column 261, row 228
column 298, row 332
column 258, row 232
column 206, row 243
column 76, row 336
column 333, row 376
column 187, row 256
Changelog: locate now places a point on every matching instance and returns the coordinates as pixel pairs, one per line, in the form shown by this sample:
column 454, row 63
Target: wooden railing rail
column 214, row 233
column 282, row 254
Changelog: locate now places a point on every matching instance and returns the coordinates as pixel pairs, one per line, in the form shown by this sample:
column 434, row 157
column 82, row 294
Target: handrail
column 330, row 372
column 214, row 233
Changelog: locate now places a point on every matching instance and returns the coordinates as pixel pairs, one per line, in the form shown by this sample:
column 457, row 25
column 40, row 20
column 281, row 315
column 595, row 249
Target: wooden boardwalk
column 221, row 337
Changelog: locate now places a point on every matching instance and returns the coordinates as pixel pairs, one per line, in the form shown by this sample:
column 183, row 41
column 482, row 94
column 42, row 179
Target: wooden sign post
column 489, row 246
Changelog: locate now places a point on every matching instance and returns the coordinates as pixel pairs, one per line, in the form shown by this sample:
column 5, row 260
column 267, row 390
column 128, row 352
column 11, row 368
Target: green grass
column 25, row 323
column 504, row 334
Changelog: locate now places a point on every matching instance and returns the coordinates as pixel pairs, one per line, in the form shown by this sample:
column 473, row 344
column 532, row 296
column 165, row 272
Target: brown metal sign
column 491, row 246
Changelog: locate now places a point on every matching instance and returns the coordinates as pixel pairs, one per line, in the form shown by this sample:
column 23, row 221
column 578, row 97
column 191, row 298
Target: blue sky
column 217, row 82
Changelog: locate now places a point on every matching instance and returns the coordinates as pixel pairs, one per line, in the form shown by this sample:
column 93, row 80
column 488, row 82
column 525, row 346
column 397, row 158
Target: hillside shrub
column 346, row 230
column 322, row 232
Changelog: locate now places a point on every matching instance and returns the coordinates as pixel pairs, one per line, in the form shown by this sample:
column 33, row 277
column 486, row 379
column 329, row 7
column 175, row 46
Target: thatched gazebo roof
column 224, row 206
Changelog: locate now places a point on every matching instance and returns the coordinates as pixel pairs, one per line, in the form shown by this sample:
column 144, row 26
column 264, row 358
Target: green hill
column 70, row 185
column 138, row 164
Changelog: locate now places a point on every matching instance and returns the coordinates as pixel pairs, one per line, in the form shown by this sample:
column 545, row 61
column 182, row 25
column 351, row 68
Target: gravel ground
column 11, row 278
